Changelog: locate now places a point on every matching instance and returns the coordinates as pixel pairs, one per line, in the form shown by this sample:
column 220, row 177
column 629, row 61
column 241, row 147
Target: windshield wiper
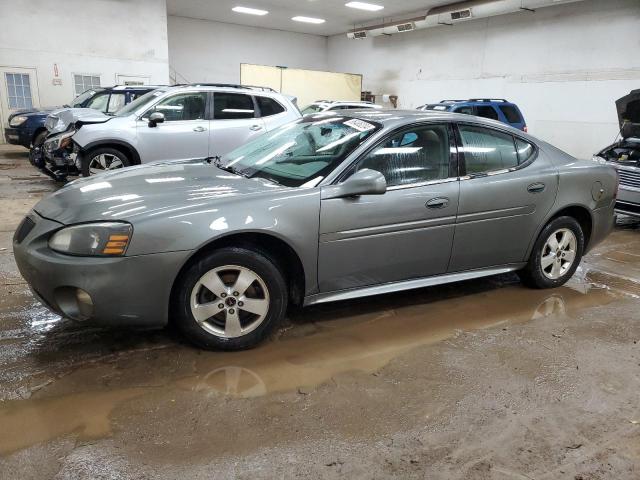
column 227, row 168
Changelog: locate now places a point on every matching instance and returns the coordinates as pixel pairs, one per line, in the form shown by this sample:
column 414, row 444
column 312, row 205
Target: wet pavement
column 481, row 379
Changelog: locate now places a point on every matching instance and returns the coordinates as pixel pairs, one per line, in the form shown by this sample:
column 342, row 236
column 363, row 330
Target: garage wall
column 98, row 37
column 563, row 65
column 206, row 51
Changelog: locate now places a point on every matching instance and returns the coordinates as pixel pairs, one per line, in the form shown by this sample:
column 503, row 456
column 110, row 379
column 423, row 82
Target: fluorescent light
column 250, row 11
column 370, row 7
column 308, row 20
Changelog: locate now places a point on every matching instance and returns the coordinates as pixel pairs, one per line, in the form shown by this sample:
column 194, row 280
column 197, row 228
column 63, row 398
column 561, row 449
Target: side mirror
column 363, row 182
column 156, row 118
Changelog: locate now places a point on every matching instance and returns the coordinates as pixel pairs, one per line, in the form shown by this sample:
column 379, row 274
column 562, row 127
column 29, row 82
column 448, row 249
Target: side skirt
column 409, row 284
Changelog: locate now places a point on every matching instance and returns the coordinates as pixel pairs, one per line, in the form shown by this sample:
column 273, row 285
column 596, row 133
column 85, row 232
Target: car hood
column 59, row 120
column 147, row 191
column 628, row 108
column 32, row 111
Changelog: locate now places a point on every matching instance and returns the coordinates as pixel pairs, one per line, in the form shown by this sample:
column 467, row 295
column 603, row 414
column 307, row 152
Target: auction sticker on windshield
column 360, row 125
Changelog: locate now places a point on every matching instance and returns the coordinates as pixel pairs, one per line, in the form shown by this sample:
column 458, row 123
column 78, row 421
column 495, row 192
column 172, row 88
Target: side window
column 231, row 106
column 116, row 102
column 487, row 150
column 99, row 102
column 268, row 106
column 183, row 106
column 416, row 155
column 486, row 111
column 511, row 113
column 464, row 110
column 525, row 150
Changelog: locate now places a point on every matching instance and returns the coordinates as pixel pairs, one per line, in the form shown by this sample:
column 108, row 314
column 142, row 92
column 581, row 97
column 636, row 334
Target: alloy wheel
column 230, row 301
column 558, row 253
column 103, row 162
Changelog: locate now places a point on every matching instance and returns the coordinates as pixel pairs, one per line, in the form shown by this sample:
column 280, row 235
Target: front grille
column 629, row 178
column 23, row 229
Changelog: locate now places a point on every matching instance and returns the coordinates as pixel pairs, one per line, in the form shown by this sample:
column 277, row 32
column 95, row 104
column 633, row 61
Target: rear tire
column 231, row 299
column 103, row 159
column 555, row 255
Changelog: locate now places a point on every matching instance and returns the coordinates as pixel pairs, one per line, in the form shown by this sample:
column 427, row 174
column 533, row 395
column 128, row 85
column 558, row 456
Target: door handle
column 439, row 202
column 199, row 129
column 255, row 128
column 536, row 187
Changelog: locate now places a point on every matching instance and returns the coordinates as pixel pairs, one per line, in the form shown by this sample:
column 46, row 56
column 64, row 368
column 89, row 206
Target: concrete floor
column 479, row 380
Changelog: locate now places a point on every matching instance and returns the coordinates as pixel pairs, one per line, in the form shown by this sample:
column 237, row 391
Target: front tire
column 556, row 254
column 100, row 160
column 231, row 299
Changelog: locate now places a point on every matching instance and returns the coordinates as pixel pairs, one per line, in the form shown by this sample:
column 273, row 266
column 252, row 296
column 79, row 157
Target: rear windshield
column 511, row 112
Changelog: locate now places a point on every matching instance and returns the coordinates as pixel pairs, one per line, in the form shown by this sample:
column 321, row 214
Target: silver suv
column 170, row 123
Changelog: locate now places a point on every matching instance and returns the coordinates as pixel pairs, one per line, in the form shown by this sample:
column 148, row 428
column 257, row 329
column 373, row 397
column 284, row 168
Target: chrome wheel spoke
column 555, row 269
column 115, row 163
column 102, row 160
column 232, row 327
column 214, row 283
column 547, row 260
column 205, row 311
column 564, row 240
column 257, row 306
column 244, row 281
column 553, row 242
column 569, row 256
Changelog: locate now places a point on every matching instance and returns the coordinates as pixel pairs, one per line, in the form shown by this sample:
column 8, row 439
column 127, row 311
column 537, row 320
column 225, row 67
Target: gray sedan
column 332, row 207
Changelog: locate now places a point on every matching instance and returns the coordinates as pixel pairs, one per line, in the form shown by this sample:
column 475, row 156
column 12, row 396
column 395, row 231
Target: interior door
column 508, row 190
column 18, row 91
column 405, row 233
column 234, row 122
column 183, row 135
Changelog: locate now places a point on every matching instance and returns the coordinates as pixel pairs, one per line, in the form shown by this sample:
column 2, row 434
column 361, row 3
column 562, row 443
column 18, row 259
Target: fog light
column 75, row 303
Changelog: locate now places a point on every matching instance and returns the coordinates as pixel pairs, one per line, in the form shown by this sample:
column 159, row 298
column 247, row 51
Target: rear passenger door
column 506, row 190
column 235, row 122
column 272, row 113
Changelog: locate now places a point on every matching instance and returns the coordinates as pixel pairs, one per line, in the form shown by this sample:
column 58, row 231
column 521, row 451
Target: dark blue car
column 26, row 127
column 494, row 108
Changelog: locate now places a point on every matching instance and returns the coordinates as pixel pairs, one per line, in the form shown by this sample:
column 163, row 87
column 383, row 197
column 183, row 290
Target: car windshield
column 138, row 102
column 313, row 108
column 84, row 96
column 300, row 153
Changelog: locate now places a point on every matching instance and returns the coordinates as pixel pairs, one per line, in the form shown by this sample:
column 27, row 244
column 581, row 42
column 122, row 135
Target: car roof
column 397, row 118
column 475, row 101
column 226, row 87
column 131, row 87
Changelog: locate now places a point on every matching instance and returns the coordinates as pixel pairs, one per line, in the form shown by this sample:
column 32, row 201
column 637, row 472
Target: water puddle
column 340, row 341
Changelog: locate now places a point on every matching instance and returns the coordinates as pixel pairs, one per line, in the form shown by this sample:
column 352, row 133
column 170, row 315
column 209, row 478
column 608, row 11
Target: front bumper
column 124, row 290
column 17, row 136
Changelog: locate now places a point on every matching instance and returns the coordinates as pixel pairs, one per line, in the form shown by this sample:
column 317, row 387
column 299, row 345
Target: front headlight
column 17, row 121
column 59, row 141
column 104, row 239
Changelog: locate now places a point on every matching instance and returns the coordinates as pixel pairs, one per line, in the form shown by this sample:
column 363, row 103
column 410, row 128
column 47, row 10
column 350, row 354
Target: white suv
column 320, row 106
column 171, row 123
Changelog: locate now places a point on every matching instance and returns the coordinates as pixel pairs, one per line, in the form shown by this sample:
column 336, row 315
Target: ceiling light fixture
column 370, row 7
column 308, row 20
column 249, row 11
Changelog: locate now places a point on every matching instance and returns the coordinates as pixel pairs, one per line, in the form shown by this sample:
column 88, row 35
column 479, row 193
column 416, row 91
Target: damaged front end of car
column 58, row 155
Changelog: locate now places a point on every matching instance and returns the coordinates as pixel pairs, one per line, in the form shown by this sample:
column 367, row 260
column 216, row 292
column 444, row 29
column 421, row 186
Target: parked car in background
column 494, row 109
column 27, row 127
column 329, row 105
column 625, row 154
column 323, row 209
column 170, row 123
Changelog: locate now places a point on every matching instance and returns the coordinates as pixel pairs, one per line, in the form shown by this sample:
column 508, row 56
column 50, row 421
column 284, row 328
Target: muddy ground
column 479, row 380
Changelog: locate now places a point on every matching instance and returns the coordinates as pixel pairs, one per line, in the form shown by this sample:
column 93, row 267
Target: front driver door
column 403, row 234
column 183, row 135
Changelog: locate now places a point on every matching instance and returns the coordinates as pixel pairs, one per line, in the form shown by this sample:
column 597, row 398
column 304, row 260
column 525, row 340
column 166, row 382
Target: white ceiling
column 339, row 19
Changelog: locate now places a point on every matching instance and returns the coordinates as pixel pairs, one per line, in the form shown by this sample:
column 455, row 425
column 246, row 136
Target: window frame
column 208, row 107
column 91, row 87
column 256, row 107
column 454, row 155
column 462, row 161
column 258, row 110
